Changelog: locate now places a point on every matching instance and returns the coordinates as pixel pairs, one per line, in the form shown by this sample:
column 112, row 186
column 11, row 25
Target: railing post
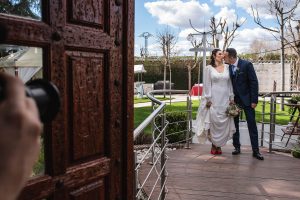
column 263, row 123
column 272, row 122
column 135, row 182
column 190, row 118
column 274, row 117
column 188, row 127
column 163, row 157
column 153, row 135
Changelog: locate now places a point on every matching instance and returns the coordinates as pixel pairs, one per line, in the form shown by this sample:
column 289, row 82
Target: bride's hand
column 208, row 104
column 231, row 102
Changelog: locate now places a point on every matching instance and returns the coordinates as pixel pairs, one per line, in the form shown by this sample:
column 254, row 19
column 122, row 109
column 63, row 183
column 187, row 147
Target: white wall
column 267, row 73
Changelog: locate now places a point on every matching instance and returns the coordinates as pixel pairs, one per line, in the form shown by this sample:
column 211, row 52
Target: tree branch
column 258, row 21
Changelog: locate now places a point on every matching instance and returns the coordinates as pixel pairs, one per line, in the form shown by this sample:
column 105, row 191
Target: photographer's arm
column 20, row 130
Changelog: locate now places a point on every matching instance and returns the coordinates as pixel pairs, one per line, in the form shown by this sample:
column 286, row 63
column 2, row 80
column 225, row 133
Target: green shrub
column 39, row 166
column 295, row 98
column 176, row 130
column 296, row 152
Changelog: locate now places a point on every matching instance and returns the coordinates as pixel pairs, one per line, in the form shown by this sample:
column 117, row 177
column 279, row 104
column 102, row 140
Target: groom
column 245, row 88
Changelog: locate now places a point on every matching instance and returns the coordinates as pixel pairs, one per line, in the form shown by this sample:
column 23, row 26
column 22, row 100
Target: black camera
column 46, row 96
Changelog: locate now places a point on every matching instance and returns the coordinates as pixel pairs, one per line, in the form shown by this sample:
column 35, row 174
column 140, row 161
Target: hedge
column 155, row 72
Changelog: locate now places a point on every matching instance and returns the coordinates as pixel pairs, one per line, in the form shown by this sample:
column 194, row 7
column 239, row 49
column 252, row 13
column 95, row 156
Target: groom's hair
column 231, row 52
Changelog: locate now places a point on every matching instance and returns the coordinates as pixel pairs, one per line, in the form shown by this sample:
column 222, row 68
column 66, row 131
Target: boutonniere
column 237, row 71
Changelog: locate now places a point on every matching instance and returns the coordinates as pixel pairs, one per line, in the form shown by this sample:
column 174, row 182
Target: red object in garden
column 197, row 88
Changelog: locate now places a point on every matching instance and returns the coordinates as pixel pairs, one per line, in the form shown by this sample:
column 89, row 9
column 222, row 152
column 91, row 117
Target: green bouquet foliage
column 233, row 110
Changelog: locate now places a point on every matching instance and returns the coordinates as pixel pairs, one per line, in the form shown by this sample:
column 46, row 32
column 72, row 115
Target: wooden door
column 88, row 53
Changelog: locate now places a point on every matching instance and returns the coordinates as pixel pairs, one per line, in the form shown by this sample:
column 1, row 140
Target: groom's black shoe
column 236, row 151
column 257, row 155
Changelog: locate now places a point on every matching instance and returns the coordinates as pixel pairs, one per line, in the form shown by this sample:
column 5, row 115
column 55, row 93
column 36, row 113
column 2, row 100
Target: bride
column 212, row 122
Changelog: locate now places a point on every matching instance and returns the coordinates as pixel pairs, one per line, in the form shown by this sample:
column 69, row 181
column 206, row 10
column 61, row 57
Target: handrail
column 272, row 115
column 265, row 94
column 138, row 130
column 156, row 153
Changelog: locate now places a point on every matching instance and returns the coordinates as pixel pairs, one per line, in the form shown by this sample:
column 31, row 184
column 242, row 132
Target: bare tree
column 282, row 11
column 258, row 48
column 28, row 8
column 293, row 41
column 167, row 41
column 227, row 31
column 192, row 64
column 217, row 29
column 142, row 52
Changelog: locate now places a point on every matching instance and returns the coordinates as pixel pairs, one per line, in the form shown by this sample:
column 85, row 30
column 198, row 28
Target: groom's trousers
column 251, row 123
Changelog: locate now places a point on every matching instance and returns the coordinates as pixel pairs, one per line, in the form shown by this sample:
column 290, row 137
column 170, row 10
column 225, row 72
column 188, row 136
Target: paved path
column 195, row 174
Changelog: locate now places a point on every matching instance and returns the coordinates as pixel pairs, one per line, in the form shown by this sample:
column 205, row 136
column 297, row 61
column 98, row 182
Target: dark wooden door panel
column 38, row 188
column 78, row 38
column 88, row 12
column 95, row 190
column 86, row 88
column 88, row 53
column 20, row 31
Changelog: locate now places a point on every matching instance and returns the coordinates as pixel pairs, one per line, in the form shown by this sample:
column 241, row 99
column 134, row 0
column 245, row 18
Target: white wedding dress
column 218, row 90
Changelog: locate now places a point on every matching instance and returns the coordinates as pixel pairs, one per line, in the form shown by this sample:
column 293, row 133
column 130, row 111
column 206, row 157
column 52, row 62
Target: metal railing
column 150, row 167
column 276, row 101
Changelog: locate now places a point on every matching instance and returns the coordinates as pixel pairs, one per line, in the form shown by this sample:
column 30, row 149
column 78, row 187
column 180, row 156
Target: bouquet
column 233, row 110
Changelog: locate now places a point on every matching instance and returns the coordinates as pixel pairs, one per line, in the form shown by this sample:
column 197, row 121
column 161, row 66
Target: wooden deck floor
column 195, row 174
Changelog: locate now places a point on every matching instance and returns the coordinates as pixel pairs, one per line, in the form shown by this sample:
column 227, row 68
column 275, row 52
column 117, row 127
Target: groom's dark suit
column 245, row 87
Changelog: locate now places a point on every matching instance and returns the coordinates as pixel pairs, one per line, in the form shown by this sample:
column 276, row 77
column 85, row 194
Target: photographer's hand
column 20, row 129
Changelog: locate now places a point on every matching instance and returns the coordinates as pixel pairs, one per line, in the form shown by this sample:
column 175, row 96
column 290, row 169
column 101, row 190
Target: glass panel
column 24, row 8
column 21, row 61
column 25, row 63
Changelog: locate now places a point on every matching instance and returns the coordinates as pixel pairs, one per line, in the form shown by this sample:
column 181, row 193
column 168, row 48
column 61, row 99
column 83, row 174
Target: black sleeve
column 253, row 83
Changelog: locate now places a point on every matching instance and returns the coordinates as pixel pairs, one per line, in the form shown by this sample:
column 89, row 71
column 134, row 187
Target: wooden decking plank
column 195, row 174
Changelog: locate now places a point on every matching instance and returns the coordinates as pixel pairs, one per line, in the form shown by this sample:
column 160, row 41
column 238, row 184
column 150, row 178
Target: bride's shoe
column 213, row 150
column 219, row 150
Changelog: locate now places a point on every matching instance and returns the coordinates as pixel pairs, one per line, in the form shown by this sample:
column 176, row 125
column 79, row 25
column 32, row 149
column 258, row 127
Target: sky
column 153, row 16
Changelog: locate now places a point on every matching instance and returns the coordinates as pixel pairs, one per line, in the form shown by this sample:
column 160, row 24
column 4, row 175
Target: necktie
column 233, row 68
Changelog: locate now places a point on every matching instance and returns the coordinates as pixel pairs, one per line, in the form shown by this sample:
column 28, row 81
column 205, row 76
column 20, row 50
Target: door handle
column 118, row 2
column 56, row 36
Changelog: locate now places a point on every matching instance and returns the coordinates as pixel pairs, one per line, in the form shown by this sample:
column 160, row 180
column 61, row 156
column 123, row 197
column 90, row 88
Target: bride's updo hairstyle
column 212, row 57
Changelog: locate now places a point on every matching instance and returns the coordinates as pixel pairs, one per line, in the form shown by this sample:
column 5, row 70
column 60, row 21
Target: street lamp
column 146, row 35
column 191, row 38
column 218, row 37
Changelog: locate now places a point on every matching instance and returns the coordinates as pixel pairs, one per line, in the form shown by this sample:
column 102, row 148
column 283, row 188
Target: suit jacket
column 245, row 83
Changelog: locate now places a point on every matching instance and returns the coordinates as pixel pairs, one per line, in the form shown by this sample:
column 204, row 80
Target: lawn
column 140, row 114
column 281, row 117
